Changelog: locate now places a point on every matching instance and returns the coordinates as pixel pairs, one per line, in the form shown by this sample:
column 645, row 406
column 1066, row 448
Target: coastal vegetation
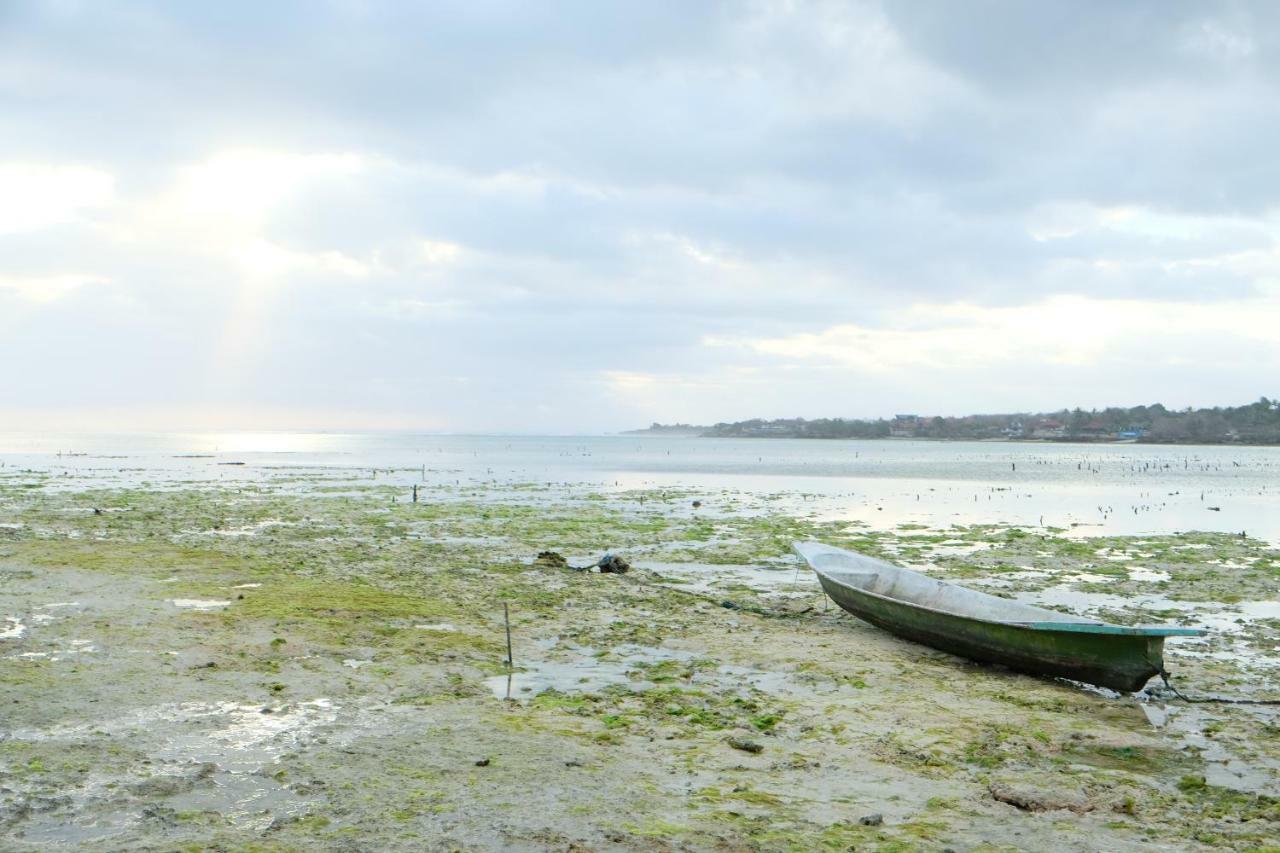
column 1254, row 423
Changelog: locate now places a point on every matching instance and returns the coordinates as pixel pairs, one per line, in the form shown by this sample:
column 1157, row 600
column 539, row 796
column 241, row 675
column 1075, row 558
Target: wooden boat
column 987, row 628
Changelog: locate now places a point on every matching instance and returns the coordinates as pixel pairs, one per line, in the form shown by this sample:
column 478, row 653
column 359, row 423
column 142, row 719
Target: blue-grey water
column 1091, row 489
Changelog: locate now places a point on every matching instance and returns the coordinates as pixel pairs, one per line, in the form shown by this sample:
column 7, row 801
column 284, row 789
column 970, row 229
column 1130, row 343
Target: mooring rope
column 1226, row 700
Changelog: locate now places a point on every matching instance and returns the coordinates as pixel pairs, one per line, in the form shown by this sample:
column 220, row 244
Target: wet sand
column 319, row 664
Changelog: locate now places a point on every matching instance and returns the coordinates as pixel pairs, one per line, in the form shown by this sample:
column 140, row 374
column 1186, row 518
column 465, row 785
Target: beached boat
column 987, row 628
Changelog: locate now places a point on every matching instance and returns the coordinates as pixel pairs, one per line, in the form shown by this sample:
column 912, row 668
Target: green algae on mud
column 368, row 626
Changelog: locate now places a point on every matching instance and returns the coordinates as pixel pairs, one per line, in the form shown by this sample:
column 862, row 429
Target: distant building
column 1094, row 429
column 1048, row 428
column 904, row 426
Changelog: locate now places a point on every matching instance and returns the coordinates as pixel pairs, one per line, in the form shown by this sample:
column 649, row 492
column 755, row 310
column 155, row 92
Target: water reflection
column 1084, row 489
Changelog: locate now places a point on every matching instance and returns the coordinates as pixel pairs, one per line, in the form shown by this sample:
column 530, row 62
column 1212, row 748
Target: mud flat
column 296, row 666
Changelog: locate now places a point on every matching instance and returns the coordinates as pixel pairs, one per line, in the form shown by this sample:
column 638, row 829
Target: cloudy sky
column 585, row 216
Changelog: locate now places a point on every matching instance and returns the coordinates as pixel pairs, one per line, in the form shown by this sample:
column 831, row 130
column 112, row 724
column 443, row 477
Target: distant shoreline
column 942, row 440
column 1255, row 423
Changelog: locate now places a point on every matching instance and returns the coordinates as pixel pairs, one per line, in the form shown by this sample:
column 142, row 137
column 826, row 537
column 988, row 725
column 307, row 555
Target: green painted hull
column 1121, row 662
column 988, row 628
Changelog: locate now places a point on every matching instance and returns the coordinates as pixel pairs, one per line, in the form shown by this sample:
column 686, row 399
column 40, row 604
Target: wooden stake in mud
column 506, row 617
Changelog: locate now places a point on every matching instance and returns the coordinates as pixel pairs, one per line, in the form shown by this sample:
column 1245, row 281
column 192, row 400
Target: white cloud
column 223, row 204
column 1060, row 331
column 435, row 252
column 261, row 259
column 241, row 187
column 414, row 310
column 830, row 195
column 35, row 196
column 686, row 248
column 1063, row 220
column 49, row 288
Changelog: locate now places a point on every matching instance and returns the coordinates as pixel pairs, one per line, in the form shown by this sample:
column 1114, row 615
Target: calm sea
column 1090, row 489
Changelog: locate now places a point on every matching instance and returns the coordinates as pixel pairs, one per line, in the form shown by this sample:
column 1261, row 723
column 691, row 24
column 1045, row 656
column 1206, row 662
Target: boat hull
column 1118, row 662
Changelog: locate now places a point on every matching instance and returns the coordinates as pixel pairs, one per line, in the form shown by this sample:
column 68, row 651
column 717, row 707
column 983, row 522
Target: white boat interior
column 890, row 581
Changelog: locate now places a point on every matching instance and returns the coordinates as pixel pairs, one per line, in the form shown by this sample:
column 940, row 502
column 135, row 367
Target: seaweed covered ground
column 313, row 662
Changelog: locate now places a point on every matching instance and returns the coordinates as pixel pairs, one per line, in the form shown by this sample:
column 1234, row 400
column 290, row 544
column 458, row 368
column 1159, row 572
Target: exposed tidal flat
column 290, row 653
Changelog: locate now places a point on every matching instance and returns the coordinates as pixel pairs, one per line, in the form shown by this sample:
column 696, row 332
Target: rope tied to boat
column 1225, row 700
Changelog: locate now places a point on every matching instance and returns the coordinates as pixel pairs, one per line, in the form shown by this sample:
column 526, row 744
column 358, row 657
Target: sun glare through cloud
column 719, row 200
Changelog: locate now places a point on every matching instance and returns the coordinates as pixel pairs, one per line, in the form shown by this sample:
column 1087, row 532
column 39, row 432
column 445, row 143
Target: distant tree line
column 1255, row 423
column 801, row 428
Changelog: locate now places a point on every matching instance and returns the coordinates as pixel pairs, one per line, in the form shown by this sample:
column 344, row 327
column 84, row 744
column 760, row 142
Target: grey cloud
column 1089, row 46
column 832, row 162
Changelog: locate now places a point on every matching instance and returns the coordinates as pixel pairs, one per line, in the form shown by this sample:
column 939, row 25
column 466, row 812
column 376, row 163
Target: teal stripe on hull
column 1118, row 660
column 1113, row 630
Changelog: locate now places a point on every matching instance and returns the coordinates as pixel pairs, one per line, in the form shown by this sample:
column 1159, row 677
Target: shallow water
column 574, row 669
column 203, row 756
column 579, row 669
column 199, row 603
column 1091, row 489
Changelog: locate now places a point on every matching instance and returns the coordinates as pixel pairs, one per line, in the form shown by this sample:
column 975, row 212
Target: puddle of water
column 1260, row 609
column 960, row 548
column 587, row 671
column 1157, row 715
column 1241, row 653
column 1236, row 617
column 634, row 653
column 207, row 757
column 78, row 647
column 1230, row 564
column 1087, row 577
column 199, row 603
column 765, row 682
column 1241, row 775
column 246, row 586
column 1223, row 767
column 248, row 529
column 13, row 628
column 437, row 626
column 1082, row 602
column 239, row 738
column 1138, row 573
column 584, row 671
column 60, row 828
column 586, row 676
column 246, row 799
